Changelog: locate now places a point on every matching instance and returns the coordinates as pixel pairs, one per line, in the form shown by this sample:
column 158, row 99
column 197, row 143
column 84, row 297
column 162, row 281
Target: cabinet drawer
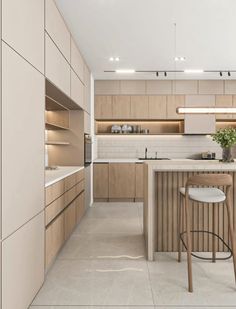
column 70, row 181
column 70, row 219
column 80, row 175
column 70, row 195
column 79, row 187
column 54, row 209
column 54, row 238
column 80, row 207
column 54, row 191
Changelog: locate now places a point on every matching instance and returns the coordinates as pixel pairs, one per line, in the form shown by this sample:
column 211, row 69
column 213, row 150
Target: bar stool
column 205, row 192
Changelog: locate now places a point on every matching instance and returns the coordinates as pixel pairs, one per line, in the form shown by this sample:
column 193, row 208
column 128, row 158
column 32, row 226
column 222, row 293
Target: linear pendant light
column 206, row 110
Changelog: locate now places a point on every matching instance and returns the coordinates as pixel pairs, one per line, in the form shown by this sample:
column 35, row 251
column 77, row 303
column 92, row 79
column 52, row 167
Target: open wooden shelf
column 57, row 143
column 53, row 126
column 156, row 127
column 53, row 105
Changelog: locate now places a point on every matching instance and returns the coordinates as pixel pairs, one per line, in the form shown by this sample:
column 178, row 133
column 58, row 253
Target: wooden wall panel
column 168, row 184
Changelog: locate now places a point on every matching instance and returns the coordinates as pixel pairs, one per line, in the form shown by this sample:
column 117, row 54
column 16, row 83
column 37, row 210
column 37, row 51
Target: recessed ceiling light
column 117, row 59
column 193, row 71
column 114, row 59
column 111, row 59
column 125, row 71
column 181, row 58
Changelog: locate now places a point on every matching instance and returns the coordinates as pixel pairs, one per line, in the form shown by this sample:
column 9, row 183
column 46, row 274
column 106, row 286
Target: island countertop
column 190, row 165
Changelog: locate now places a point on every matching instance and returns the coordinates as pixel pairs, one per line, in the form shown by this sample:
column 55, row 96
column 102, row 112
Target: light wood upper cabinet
column 224, row 101
column 23, row 263
column 121, row 180
column 57, row 68
column 157, row 107
column 132, row 87
column 23, row 101
column 139, row 180
column 103, row 107
column 138, row 107
column 100, row 180
column 121, row 107
column 87, row 84
column 77, row 90
column 23, row 29
column 77, row 62
column 56, row 28
column 174, row 101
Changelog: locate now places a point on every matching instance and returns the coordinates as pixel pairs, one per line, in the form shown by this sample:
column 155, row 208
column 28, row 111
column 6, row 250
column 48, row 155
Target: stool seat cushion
column 205, row 195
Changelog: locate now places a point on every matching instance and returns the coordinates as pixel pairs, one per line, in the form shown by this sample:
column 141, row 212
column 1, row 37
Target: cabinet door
column 103, row 107
column 100, row 180
column 57, row 28
column 23, row 264
column 87, row 84
column 138, row 180
column 174, row 101
column 139, row 107
column 121, row 180
column 77, row 90
column 224, row 101
column 157, row 107
column 77, row 61
column 23, row 29
column 23, row 101
column 87, row 123
column 80, row 207
column 70, row 219
column 121, row 107
column 54, row 239
column 57, row 68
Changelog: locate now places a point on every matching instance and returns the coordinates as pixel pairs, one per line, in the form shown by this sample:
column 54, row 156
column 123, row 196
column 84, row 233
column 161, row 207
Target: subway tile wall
column 176, row 146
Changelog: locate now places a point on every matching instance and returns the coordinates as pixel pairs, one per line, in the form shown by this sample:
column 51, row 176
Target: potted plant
column 226, row 138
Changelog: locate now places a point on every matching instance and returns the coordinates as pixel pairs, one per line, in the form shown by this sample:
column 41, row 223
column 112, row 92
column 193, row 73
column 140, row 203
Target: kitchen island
column 162, row 180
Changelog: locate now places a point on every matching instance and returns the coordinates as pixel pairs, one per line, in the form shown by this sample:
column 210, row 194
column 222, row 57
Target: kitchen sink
column 153, row 158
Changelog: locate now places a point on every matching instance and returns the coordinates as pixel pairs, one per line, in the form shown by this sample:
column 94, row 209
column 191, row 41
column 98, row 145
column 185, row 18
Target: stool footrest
column 211, row 233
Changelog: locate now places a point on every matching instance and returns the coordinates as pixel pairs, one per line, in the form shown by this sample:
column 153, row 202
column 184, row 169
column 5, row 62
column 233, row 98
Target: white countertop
column 52, row 176
column 190, row 165
column 117, row 161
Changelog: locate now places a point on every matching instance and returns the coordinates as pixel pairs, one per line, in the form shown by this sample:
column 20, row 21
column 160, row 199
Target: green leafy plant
column 225, row 137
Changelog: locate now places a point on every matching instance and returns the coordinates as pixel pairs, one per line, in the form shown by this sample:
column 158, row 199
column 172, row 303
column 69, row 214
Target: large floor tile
column 111, row 226
column 82, row 282
column 104, row 246
column 114, row 210
column 213, row 283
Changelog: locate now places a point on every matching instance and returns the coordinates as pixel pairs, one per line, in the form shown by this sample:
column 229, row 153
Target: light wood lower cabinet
column 100, row 180
column 63, row 213
column 55, row 236
column 118, row 181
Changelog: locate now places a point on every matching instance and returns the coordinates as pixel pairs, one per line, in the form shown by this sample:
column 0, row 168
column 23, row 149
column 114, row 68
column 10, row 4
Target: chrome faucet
column 146, row 153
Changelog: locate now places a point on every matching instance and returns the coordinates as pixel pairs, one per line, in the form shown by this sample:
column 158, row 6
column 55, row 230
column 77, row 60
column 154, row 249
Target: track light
column 165, row 74
column 221, row 73
column 157, row 74
column 229, row 74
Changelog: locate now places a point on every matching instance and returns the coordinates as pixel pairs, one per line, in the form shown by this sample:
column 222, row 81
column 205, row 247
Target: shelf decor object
column 226, row 138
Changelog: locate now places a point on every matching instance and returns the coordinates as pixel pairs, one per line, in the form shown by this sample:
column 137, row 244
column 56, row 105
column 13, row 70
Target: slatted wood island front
column 162, row 181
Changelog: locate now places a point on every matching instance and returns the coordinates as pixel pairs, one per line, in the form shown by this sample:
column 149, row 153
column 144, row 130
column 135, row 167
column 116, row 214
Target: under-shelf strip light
column 206, row 110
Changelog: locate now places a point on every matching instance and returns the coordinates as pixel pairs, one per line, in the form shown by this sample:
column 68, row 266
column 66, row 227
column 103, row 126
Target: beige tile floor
column 103, row 265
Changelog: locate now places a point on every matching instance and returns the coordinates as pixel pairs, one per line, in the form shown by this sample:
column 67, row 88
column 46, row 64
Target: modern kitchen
column 118, row 154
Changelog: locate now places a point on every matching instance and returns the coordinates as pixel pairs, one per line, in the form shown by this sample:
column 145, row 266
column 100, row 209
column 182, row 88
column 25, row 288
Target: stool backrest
column 210, row 180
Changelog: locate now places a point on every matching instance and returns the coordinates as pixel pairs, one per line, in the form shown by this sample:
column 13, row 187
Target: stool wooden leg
column 189, row 247
column 232, row 233
column 214, row 231
column 180, row 227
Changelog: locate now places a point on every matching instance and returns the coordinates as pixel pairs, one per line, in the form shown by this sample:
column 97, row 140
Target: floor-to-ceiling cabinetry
column 35, row 45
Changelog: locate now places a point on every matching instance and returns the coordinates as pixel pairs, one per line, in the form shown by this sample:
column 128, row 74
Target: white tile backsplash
column 177, row 146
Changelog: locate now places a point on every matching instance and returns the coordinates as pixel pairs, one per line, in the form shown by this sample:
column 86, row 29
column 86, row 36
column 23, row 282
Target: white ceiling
column 142, row 34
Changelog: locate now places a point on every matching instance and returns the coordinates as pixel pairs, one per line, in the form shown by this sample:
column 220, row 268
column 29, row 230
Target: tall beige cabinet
column 22, row 117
